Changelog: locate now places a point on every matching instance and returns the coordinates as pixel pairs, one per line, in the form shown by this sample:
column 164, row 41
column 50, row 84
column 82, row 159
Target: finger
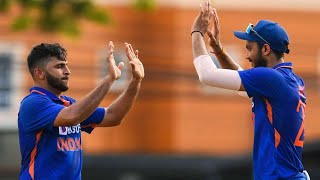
column 209, row 34
column 216, row 18
column 120, row 66
column 133, row 65
column 110, row 52
column 132, row 49
column 207, row 10
column 127, row 50
column 211, row 37
column 128, row 45
column 201, row 9
column 131, row 52
column 111, row 46
column 137, row 53
column 130, row 55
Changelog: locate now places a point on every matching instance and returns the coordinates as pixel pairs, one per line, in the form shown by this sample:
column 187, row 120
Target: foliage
column 61, row 15
column 145, row 5
column 55, row 15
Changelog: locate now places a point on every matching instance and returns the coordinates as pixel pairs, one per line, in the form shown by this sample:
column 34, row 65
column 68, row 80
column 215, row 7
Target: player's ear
column 266, row 49
column 39, row 74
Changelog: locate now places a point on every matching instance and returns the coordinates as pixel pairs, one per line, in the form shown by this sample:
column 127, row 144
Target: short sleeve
column 261, row 81
column 93, row 120
column 38, row 112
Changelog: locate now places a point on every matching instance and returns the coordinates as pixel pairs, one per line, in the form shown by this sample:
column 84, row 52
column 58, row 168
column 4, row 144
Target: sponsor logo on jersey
column 69, row 130
column 69, row 144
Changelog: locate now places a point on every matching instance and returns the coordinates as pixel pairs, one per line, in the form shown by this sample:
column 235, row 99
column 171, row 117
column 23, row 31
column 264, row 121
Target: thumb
column 211, row 38
column 210, row 34
column 120, row 66
column 132, row 65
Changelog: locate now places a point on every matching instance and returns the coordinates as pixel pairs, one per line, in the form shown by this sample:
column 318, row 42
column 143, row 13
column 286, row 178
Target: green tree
column 61, row 15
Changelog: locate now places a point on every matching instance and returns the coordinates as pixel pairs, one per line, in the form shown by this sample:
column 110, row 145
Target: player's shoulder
column 266, row 70
column 34, row 99
column 300, row 80
column 264, row 73
column 68, row 98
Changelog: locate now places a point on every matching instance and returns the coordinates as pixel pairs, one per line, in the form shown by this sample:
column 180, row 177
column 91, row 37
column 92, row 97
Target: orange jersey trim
column 33, row 155
column 290, row 67
column 65, row 102
column 38, row 92
column 277, row 136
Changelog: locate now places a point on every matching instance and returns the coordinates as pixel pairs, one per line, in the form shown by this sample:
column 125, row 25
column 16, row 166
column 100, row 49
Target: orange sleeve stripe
column 269, row 109
column 277, row 136
column 33, row 155
column 300, row 104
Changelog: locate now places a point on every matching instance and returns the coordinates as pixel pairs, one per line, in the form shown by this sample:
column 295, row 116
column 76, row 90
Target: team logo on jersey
column 69, row 130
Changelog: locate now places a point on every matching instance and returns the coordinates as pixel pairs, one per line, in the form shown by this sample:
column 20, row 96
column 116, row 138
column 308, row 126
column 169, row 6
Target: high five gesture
column 136, row 65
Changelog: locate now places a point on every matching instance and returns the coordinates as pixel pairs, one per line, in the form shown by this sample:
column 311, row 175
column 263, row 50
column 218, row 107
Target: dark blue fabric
column 272, row 32
column 50, row 152
column 277, row 91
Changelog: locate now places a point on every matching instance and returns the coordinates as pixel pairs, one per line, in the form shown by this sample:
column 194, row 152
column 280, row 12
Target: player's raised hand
column 214, row 33
column 201, row 22
column 114, row 71
column 136, row 65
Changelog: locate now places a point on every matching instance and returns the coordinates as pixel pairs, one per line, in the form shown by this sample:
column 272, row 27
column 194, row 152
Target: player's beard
column 56, row 83
column 260, row 60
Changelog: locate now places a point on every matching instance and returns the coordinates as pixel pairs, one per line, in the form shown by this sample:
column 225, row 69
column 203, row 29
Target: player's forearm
column 198, row 45
column 225, row 60
column 210, row 75
column 117, row 111
column 79, row 111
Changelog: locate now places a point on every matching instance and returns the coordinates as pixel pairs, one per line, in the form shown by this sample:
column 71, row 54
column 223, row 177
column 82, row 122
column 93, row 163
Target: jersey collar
column 283, row 65
column 44, row 92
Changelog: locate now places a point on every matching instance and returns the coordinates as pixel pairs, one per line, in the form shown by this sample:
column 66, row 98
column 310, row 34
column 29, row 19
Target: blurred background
column 178, row 129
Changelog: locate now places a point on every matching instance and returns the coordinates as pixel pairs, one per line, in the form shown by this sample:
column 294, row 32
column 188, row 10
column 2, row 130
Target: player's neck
column 275, row 62
column 49, row 88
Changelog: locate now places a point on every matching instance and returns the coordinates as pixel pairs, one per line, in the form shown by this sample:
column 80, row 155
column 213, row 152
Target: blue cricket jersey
column 50, row 152
column 278, row 106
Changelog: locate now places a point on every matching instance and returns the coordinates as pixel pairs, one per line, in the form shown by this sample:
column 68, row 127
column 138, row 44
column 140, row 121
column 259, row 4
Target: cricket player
column 50, row 123
column 278, row 94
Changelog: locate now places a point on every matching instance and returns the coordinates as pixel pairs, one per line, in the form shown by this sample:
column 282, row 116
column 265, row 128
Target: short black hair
column 41, row 54
column 278, row 54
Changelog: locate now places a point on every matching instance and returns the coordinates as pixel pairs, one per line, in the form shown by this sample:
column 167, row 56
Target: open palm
column 113, row 69
column 214, row 33
column 136, row 65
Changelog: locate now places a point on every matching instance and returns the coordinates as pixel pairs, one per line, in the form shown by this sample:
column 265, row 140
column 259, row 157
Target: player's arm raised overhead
column 116, row 112
column 223, row 57
column 79, row 111
column 207, row 71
